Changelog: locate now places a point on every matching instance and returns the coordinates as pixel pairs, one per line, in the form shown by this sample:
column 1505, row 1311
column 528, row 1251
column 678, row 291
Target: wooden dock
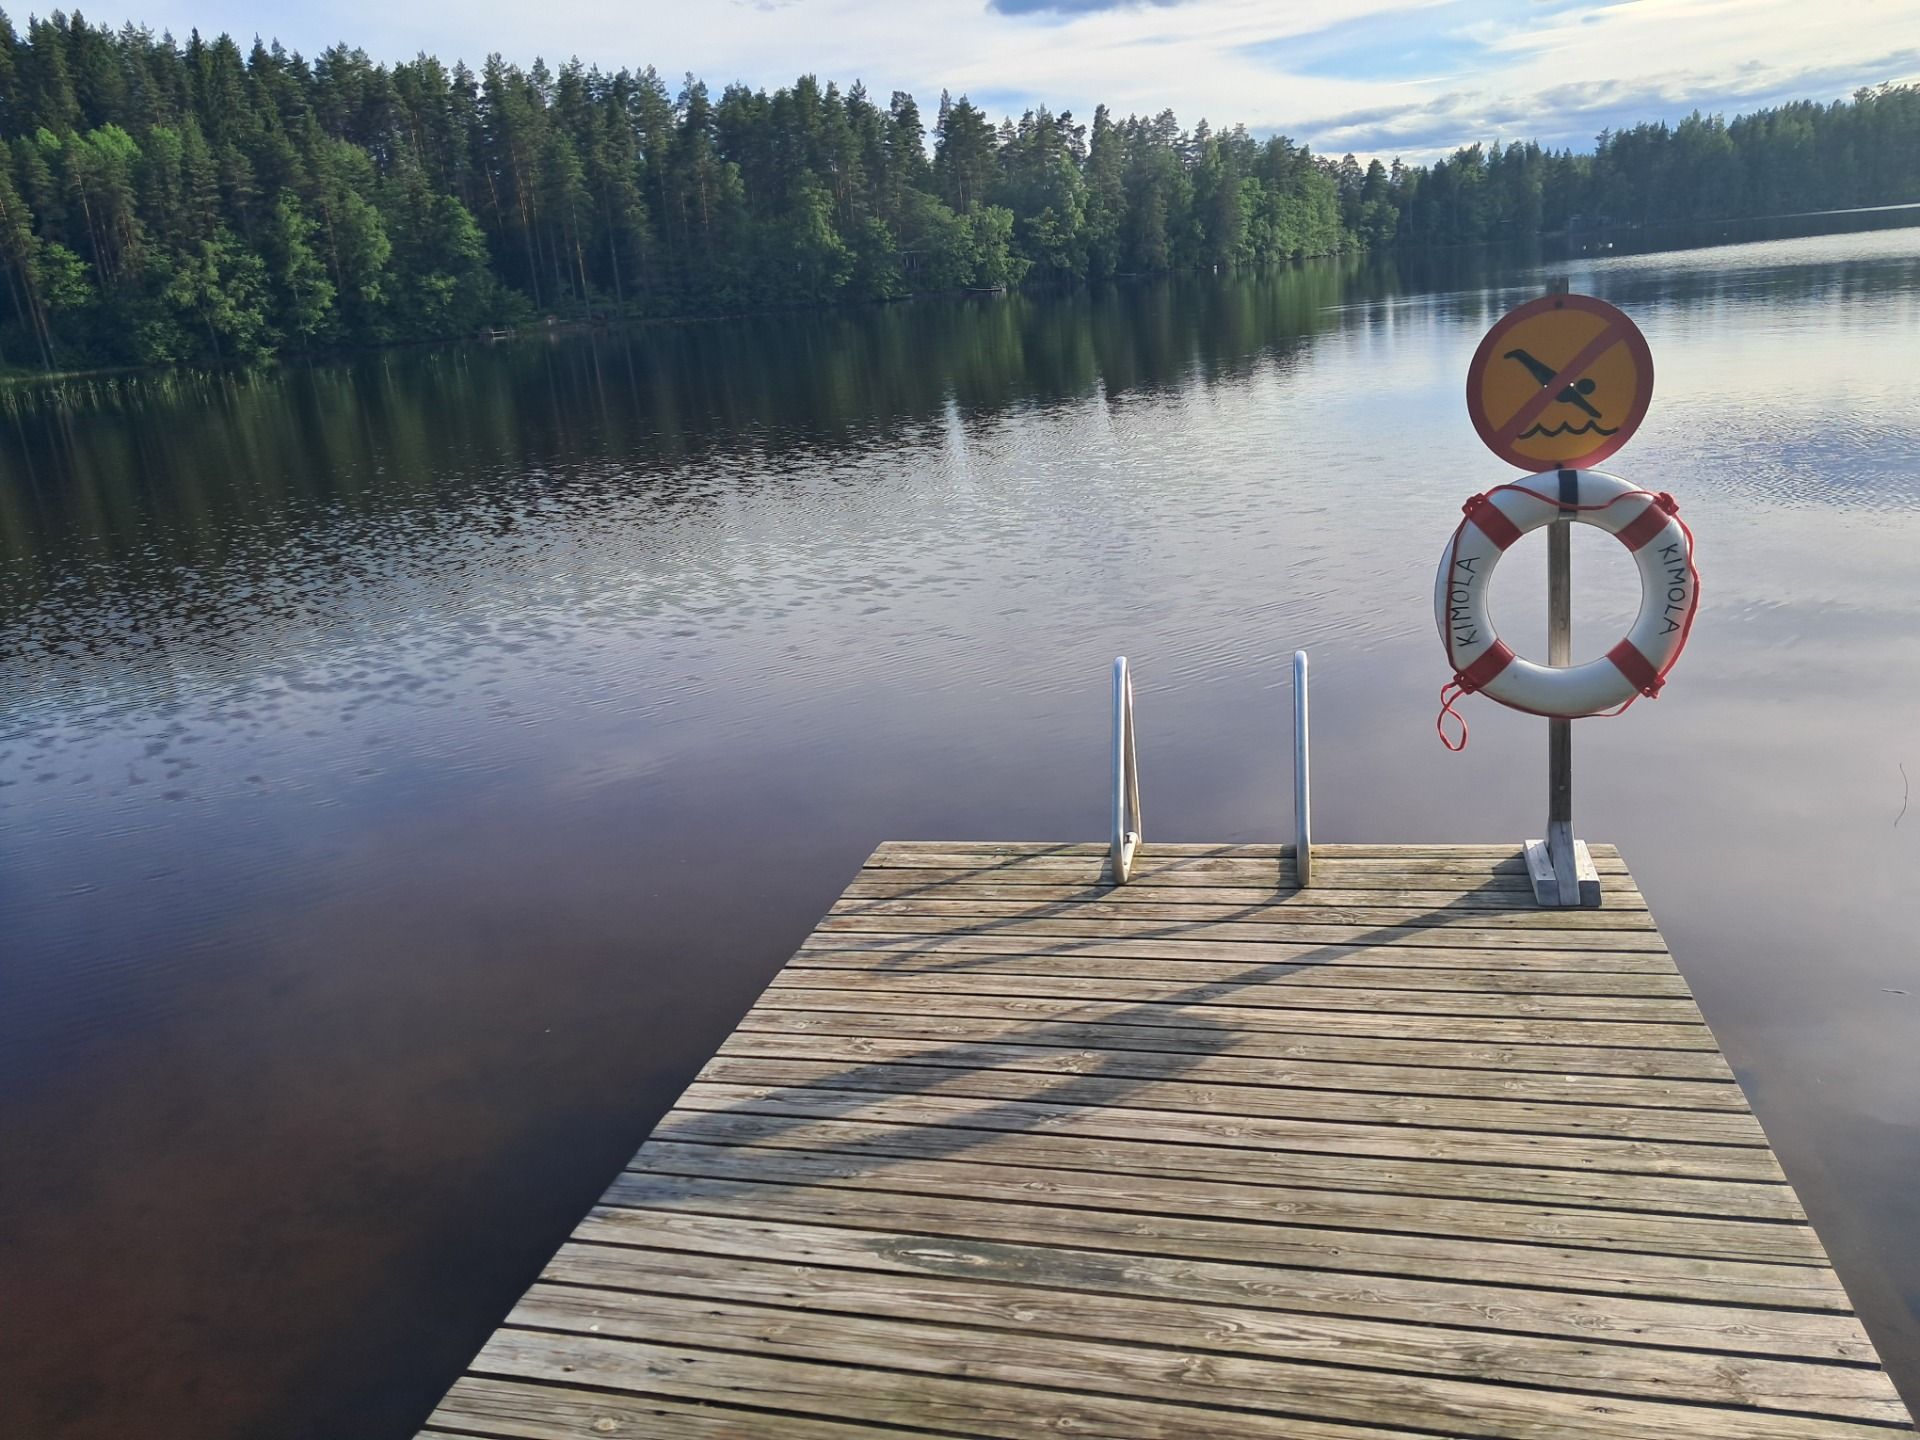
column 1005, row 1151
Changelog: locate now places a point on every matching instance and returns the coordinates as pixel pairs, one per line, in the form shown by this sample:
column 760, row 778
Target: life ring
column 1648, row 524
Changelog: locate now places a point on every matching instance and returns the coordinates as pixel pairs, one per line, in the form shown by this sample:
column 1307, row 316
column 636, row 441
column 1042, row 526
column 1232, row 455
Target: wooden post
column 1561, row 869
column 1560, row 840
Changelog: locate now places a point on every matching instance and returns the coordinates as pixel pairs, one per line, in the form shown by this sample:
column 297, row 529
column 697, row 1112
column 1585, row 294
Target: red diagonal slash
column 1570, row 372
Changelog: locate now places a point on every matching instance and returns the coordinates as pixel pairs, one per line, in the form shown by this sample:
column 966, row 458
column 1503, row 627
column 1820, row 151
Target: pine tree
column 302, row 294
column 20, row 256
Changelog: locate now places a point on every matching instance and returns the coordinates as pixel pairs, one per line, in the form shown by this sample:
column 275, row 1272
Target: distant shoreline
column 1736, row 220
column 555, row 326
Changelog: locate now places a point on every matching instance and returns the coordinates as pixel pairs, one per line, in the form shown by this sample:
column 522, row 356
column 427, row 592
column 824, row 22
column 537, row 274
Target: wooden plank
column 1519, row 959
column 1382, row 887
column 1008, row 1152
column 1074, row 1115
column 1406, row 1027
column 515, row 1410
column 1268, row 973
column 1056, row 1315
column 1613, row 1320
column 1248, row 989
column 1118, row 1147
column 977, row 1405
column 1280, row 1389
column 1416, row 859
column 992, row 1019
column 1010, row 1022
column 1701, row 1237
column 1350, row 1252
column 1505, row 853
column 1038, row 889
column 979, row 1046
column 1381, row 880
column 1100, row 907
column 1371, row 875
column 1171, row 1089
column 1453, row 934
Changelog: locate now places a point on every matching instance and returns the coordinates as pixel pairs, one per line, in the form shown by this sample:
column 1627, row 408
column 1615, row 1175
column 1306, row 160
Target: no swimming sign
column 1559, row 382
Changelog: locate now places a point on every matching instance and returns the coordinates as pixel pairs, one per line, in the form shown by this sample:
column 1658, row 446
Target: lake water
column 410, row 768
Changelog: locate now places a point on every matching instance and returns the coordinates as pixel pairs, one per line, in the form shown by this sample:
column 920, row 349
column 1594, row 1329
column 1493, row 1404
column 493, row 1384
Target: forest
column 162, row 202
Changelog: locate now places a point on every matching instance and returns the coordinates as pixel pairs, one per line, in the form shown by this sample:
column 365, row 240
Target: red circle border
column 1630, row 336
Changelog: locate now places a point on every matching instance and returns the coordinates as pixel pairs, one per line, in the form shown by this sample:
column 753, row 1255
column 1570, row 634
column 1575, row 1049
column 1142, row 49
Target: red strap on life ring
column 1491, row 520
column 1628, row 660
column 1475, row 677
column 1648, row 523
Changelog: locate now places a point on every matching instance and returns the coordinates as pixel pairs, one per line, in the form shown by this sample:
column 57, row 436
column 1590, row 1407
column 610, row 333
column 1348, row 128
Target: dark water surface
column 410, row 769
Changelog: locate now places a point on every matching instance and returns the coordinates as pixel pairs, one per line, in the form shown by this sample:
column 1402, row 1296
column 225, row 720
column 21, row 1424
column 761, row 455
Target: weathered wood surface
column 1005, row 1151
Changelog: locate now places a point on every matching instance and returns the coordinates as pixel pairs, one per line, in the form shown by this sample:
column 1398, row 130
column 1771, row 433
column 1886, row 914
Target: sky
column 1408, row 79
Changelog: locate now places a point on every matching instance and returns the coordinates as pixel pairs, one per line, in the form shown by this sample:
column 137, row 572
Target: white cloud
column 1339, row 74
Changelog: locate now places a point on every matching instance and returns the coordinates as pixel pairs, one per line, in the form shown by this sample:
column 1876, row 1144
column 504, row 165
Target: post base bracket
column 1563, row 875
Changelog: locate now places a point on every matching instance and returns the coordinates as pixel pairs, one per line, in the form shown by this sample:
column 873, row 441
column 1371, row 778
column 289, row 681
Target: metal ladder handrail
column 1125, row 842
column 1126, row 777
column 1302, row 786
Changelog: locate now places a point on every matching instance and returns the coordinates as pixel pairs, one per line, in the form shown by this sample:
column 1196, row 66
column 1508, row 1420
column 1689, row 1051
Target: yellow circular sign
column 1560, row 382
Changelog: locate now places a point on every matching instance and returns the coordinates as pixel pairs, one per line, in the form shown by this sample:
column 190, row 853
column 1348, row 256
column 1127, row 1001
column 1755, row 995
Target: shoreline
column 552, row 326
column 14, row 380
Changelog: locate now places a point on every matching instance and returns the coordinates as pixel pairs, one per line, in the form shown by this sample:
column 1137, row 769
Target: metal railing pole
column 1126, row 777
column 1302, row 785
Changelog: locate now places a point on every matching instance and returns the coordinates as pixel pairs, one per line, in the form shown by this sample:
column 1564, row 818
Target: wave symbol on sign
column 1586, row 427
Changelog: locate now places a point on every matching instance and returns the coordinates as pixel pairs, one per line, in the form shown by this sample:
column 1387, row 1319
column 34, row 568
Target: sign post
column 1560, row 383
column 1563, row 873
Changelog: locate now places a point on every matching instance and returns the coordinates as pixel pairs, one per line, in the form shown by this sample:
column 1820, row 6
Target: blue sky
column 1412, row 79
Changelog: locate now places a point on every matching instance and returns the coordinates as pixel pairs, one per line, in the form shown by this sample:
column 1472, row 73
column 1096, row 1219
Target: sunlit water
column 409, row 770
